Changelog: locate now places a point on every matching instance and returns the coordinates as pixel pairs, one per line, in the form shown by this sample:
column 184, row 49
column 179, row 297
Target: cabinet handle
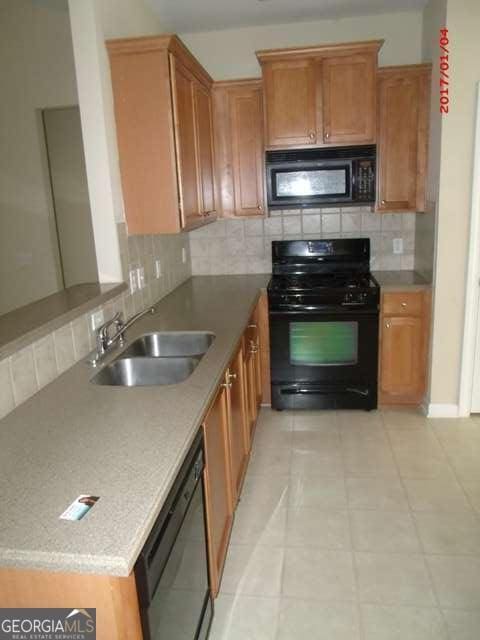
column 387, row 325
column 253, row 347
column 252, row 326
column 207, row 213
column 327, row 135
column 226, row 385
column 260, row 208
column 311, row 135
column 404, row 304
column 232, row 376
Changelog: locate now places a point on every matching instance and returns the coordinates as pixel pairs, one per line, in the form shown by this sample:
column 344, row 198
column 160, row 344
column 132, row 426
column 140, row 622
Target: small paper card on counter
column 79, row 507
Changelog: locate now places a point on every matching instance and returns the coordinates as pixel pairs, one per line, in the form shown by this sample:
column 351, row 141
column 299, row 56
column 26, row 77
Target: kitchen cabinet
column 349, row 104
column 162, row 101
column 403, row 115
column 264, row 339
column 115, row 599
column 237, row 422
column 317, row 96
column 238, row 127
column 253, row 372
column 404, row 333
column 218, row 485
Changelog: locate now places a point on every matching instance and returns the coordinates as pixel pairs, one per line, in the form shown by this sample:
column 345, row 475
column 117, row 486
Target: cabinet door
column 217, row 485
column 245, row 121
column 402, row 140
column 204, row 129
column 349, row 99
column 402, row 361
column 264, row 339
column 239, row 438
column 186, row 143
column 290, row 102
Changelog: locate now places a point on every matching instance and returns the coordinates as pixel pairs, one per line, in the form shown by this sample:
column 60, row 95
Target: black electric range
column 323, row 308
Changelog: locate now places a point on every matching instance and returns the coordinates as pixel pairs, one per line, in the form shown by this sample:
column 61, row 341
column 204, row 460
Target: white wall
column 454, row 200
column 231, row 53
column 94, row 21
column 37, row 71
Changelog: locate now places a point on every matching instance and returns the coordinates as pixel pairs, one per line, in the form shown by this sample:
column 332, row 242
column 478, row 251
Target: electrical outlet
column 133, row 280
column 158, row 269
column 398, row 245
column 184, row 255
column 96, row 319
column 141, row 278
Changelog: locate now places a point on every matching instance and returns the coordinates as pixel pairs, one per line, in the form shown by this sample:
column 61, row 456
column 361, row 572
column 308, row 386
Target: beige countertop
column 401, row 281
column 33, row 321
column 125, row 445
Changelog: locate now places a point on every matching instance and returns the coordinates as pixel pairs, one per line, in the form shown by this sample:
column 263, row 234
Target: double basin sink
column 156, row 359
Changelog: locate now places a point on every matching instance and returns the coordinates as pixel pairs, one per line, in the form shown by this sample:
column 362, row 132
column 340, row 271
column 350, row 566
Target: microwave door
column 304, row 184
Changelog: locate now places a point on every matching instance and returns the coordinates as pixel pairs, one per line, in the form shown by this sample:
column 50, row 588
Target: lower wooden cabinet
column 218, row 486
column 264, row 339
column 239, row 437
column 404, row 332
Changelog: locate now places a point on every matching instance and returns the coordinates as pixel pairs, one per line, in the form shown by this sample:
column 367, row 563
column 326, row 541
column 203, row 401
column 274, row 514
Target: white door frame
column 472, row 297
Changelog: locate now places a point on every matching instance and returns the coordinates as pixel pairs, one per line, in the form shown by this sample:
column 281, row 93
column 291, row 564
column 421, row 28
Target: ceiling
column 186, row 16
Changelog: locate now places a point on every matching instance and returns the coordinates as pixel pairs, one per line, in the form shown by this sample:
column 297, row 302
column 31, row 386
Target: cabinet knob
column 387, row 325
column 383, row 202
column 260, row 208
column 252, row 326
column 404, row 304
column 311, row 135
column 232, row 376
column 327, row 135
column 226, row 385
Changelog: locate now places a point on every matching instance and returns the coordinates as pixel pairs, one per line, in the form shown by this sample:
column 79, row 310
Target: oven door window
column 323, row 344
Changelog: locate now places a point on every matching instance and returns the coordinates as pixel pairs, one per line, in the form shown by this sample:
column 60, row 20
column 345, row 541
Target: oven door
column 324, row 360
column 309, row 184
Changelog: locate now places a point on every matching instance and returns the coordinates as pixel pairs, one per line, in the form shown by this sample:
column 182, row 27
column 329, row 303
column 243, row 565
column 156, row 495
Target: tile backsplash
column 30, row 369
column 244, row 246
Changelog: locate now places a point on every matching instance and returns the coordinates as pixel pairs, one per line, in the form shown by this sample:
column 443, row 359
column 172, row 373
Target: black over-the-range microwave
column 321, row 177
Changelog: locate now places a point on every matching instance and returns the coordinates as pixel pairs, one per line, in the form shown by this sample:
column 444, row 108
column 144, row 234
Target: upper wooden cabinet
column 290, row 88
column 238, row 128
column 318, row 96
column 403, row 115
column 164, row 129
column 349, row 113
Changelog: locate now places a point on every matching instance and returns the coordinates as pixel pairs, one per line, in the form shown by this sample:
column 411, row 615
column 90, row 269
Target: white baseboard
column 443, row 411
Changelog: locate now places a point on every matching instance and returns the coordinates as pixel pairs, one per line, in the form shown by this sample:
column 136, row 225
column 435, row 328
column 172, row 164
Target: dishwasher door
column 172, row 571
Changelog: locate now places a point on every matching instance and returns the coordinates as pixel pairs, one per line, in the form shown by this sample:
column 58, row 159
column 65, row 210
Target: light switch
column 96, row 319
column 133, row 281
column 158, row 269
column 141, row 278
column 398, row 245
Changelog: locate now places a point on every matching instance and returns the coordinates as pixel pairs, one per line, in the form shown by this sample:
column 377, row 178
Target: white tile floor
column 356, row 526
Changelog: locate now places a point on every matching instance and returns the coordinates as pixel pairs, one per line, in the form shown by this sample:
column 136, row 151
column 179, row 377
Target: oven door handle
column 299, row 309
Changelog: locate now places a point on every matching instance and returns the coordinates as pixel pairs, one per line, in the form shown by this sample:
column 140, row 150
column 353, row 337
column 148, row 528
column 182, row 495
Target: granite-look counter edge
column 401, row 281
column 125, row 445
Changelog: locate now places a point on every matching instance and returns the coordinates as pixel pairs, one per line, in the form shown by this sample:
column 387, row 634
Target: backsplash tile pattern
column 244, row 246
column 29, row 370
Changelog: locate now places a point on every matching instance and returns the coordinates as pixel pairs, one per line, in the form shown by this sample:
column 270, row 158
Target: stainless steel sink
column 170, row 343
column 143, row 372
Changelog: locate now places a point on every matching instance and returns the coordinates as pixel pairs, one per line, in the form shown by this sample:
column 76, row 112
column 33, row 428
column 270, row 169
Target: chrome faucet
column 104, row 341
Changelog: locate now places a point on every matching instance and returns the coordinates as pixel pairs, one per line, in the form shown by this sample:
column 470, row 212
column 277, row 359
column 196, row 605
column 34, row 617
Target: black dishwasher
column 172, row 570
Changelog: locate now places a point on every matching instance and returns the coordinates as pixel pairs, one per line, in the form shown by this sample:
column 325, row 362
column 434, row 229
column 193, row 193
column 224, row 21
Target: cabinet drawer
column 403, row 303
